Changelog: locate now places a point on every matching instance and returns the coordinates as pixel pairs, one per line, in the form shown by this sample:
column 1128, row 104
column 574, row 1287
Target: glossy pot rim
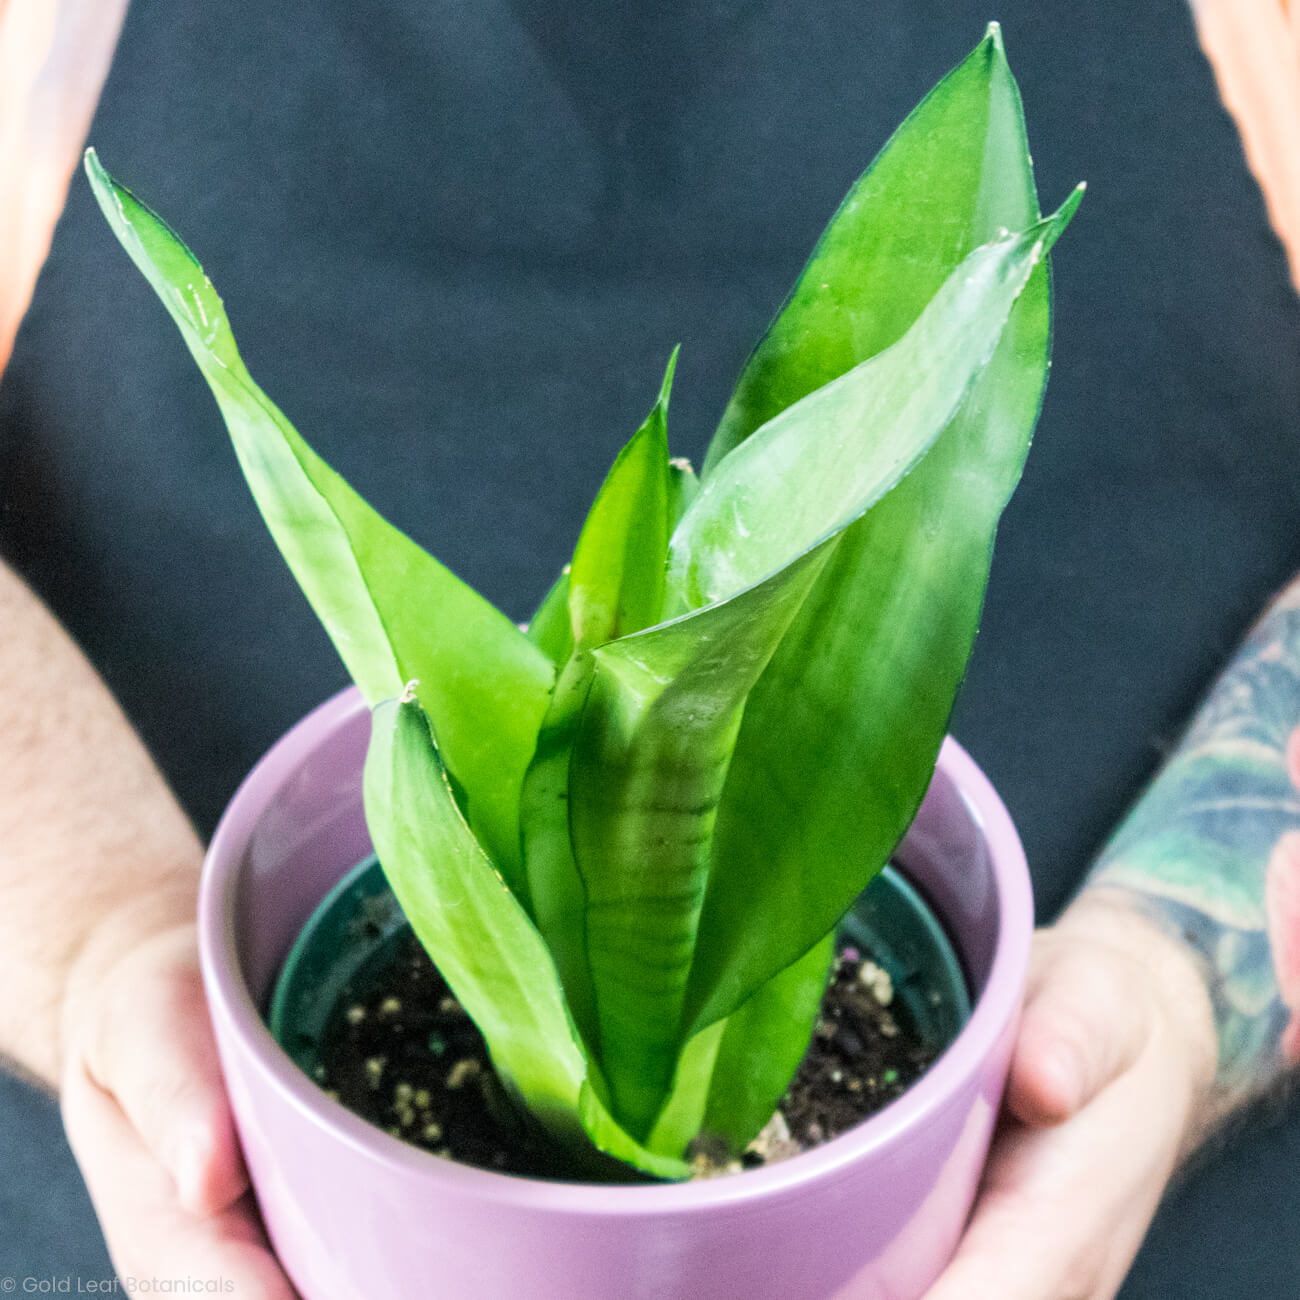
column 232, row 1006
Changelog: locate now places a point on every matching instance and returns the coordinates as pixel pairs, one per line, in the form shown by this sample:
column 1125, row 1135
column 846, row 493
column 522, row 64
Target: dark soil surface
column 406, row 1057
column 864, row 1052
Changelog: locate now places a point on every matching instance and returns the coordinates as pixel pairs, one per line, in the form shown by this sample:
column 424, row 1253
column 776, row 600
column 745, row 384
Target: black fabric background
column 457, row 243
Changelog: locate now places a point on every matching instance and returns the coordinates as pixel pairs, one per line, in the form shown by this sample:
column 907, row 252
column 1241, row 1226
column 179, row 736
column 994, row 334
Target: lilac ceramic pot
column 357, row 1215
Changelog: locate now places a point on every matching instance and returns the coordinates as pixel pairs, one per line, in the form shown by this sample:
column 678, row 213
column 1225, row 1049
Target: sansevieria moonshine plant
column 626, row 836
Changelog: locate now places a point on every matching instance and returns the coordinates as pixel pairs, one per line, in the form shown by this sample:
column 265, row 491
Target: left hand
column 1109, row 1086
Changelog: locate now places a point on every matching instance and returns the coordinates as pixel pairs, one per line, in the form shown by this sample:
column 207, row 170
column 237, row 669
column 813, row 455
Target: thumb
column 1080, row 1029
column 146, row 1040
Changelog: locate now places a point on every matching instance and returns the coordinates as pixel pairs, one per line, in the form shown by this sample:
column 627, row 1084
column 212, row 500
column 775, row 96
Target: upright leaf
column 550, row 629
column 616, row 580
column 682, row 1116
column 816, row 466
column 394, row 613
column 665, row 708
column 813, row 808
column 939, row 188
column 487, row 949
column 615, row 586
column 762, row 1043
column 683, row 485
column 647, row 770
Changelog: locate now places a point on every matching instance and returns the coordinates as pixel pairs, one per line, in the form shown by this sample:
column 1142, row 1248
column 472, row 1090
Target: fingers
column 1063, row 1210
column 150, row 1049
column 149, row 1234
column 1102, row 1090
column 1081, row 1028
column 148, row 1120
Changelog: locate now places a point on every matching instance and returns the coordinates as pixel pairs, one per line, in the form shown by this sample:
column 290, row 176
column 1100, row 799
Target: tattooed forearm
column 1212, row 853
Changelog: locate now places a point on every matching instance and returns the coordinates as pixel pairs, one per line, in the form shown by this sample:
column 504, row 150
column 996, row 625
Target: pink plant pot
column 357, row 1215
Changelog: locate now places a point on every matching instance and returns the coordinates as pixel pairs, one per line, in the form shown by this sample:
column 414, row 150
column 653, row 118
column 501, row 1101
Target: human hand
column 1109, row 1085
column 147, row 1116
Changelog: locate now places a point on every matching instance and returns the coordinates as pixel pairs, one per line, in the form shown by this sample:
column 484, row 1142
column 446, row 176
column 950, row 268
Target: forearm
column 94, row 851
column 1211, row 856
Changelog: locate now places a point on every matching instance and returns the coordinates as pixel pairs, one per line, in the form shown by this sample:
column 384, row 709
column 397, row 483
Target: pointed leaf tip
column 100, row 181
column 1053, row 227
column 666, row 388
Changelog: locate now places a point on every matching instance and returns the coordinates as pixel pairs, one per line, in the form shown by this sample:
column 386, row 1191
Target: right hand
column 148, row 1120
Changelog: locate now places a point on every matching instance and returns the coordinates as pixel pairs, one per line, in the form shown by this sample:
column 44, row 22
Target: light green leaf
column 683, row 485
column 487, row 949
column 842, row 731
column 954, row 171
column 550, row 629
column 683, row 1114
column 394, row 613
column 665, row 708
column 616, row 582
column 552, row 889
column 816, row 466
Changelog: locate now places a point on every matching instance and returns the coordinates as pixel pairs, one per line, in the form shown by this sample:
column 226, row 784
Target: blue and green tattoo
column 1211, row 851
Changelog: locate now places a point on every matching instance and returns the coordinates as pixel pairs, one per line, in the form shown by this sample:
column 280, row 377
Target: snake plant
column 626, row 835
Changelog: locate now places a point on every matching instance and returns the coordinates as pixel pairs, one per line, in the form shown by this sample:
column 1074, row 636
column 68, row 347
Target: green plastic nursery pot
column 359, row 923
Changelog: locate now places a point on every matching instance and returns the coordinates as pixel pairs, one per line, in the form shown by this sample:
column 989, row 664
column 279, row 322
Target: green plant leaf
column 764, row 1040
column 664, row 710
column 616, row 580
column 550, row 629
column 393, row 612
column 941, row 186
column 682, row 1116
column 487, row 949
column 616, row 586
column 819, row 464
column 645, row 775
column 812, row 809
column 683, row 485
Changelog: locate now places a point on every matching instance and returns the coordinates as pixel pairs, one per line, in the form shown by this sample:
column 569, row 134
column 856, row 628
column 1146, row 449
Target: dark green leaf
column 841, row 733
column 645, row 776
column 764, row 1040
column 942, row 185
column 665, row 707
